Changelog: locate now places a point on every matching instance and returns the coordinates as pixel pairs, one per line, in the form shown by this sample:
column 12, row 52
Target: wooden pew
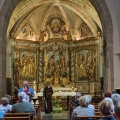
column 87, row 117
column 38, row 110
column 20, row 115
column 97, row 113
column 16, row 118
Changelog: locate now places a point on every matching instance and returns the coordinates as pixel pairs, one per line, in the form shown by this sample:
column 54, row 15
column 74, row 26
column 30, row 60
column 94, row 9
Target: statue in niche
column 51, row 64
column 32, row 67
column 92, row 70
column 88, row 59
column 66, row 34
column 23, row 64
column 16, row 72
column 45, row 35
column 82, row 72
column 62, row 61
column 56, row 78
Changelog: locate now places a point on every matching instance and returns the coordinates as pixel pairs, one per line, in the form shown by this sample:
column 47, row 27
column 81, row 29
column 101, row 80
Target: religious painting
column 83, row 87
column 24, row 62
column 85, row 31
column 93, row 87
column 86, row 63
column 28, row 65
column 56, row 65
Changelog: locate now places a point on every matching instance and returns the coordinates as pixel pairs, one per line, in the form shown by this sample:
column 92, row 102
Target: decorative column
column 72, row 61
column 40, row 67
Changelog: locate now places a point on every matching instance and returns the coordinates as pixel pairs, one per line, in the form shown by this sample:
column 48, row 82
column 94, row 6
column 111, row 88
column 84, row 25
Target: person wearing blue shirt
column 1, row 114
column 28, row 90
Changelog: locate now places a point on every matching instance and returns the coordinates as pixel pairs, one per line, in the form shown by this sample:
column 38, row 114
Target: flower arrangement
column 57, row 107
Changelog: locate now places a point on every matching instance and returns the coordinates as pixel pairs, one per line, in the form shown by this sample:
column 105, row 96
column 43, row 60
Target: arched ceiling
column 37, row 12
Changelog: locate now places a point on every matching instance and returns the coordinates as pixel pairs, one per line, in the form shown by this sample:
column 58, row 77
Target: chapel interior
column 73, row 44
column 56, row 41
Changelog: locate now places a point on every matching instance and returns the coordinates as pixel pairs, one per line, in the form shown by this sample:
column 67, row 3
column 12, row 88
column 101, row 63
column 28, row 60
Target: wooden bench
column 87, row 117
column 38, row 110
column 26, row 116
column 16, row 118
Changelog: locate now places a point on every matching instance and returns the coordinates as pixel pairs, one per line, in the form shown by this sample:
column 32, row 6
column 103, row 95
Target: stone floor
column 55, row 116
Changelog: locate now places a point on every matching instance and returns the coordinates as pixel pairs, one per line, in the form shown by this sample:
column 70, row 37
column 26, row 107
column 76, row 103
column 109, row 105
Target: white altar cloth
column 59, row 94
column 62, row 89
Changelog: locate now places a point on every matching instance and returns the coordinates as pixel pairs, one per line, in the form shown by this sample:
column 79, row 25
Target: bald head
column 25, row 83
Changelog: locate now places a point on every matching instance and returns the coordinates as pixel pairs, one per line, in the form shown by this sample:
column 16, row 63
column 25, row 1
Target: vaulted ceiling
column 37, row 13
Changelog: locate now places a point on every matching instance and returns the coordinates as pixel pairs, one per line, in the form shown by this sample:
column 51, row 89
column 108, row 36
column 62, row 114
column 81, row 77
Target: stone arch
column 100, row 5
column 107, row 26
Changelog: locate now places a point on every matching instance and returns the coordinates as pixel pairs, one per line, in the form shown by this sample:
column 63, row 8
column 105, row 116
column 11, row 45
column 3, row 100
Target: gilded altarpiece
column 64, row 63
column 25, row 62
column 56, row 68
column 88, row 67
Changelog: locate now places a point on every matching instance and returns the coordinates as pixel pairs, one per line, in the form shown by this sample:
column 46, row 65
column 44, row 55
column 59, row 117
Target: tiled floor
column 55, row 116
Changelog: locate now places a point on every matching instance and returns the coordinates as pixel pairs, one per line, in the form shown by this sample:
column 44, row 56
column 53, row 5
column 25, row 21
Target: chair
column 20, row 115
column 87, row 117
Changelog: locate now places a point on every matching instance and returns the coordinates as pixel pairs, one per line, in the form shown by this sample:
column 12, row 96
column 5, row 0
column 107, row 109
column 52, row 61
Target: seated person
column 117, row 111
column 83, row 109
column 23, row 105
column 115, row 98
column 107, row 96
column 105, row 110
column 88, row 101
column 1, row 114
column 75, row 103
column 9, row 97
column 4, row 105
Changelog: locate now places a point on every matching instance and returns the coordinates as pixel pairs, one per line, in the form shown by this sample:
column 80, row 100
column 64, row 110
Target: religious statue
column 82, row 72
column 88, row 59
column 45, row 35
column 62, row 61
column 92, row 70
column 23, row 64
column 64, row 82
column 16, row 73
column 56, row 78
column 51, row 64
column 56, row 25
column 32, row 66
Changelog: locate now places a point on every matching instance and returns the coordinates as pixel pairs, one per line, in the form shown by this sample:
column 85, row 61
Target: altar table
column 62, row 94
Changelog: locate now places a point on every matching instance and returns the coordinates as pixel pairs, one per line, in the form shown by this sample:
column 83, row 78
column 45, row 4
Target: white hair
column 23, row 96
column 88, row 98
column 116, row 98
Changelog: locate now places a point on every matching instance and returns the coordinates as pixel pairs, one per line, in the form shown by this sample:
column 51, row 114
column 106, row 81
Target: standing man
column 28, row 90
column 47, row 96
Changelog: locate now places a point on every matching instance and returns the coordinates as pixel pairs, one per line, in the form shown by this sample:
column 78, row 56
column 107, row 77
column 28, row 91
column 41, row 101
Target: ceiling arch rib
column 85, row 18
column 45, row 17
column 65, row 16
